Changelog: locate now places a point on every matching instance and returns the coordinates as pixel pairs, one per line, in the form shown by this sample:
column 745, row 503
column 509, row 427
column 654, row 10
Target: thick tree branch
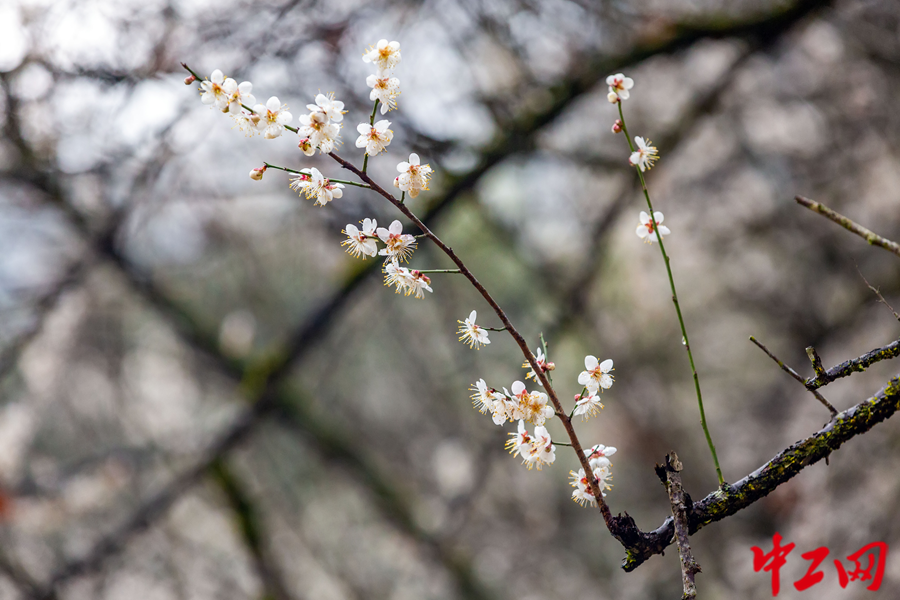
column 856, row 365
column 785, row 465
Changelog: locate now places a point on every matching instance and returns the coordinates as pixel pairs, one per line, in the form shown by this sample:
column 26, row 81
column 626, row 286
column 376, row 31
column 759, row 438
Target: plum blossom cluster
column 519, row 404
column 321, row 128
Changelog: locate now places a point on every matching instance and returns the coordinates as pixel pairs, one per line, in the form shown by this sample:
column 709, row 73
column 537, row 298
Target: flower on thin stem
column 596, row 374
column 374, row 138
column 646, row 154
column 406, row 281
column 361, row 242
column 214, row 90
column 582, row 492
column 598, row 456
column 645, row 229
column 484, row 398
column 588, row 406
column 529, row 406
column 619, row 85
column 385, row 55
column 471, row 333
column 542, row 363
column 272, row 117
column 413, row 176
column 315, row 185
column 399, row 246
column 238, row 95
column 385, row 89
column 536, row 450
column 257, row 173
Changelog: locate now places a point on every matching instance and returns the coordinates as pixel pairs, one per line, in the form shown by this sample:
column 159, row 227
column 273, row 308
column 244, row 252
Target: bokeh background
column 203, row 396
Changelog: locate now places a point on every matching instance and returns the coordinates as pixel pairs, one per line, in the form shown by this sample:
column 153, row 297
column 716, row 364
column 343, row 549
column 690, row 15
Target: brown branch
column 877, row 293
column 870, row 236
column 796, row 376
column 520, row 341
column 728, row 500
column 856, row 365
column 670, row 475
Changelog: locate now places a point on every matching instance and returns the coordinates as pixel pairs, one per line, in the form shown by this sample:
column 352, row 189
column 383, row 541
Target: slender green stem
column 402, row 198
column 546, row 357
column 333, row 180
column 687, row 343
column 371, row 123
column 440, row 271
column 493, row 328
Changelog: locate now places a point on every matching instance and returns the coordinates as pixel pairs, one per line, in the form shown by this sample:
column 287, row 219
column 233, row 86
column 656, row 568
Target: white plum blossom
column 328, row 106
column 319, row 132
column 471, row 333
column 542, row 363
column 272, row 117
column 315, row 185
column 399, row 246
column 385, row 89
column 529, row 406
column 374, row 138
column 248, row 123
column 598, row 456
column 406, row 281
column 536, row 450
column 582, row 492
column 385, row 55
column 237, row 95
column 646, row 154
column 484, row 398
column 645, row 229
column 619, row 86
column 413, row 176
column 588, row 406
column 214, row 92
column 596, row 374
column 361, row 241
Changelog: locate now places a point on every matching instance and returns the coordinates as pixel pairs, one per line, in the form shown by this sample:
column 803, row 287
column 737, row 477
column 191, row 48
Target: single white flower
column 384, row 55
column 582, row 492
column 385, row 89
column 529, row 406
column 238, row 95
column 374, row 138
column 398, row 245
column 214, row 90
column 315, row 185
column 542, row 364
column 619, row 85
column 596, row 374
column 588, row 406
column 645, row 229
column 413, row 176
column 484, row 397
column 328, row 106
column 598, row 456
column 272, row 117
column 471, row 333
column 536, row 450
column 646, row 154
column 361, row 242
column 248, row 123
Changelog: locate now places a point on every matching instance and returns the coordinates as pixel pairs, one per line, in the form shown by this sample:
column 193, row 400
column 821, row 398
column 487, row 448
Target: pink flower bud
column 189, row 80
column 397, row 182
column 617, row 126
column 257, row 174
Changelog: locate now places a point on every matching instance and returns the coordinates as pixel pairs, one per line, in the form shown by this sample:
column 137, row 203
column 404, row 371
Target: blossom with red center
column 648, row 228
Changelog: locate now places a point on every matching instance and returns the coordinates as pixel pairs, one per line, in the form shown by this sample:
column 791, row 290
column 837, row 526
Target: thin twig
column 816, row 361
column 670, row 475
column 868, row 235
column 877, row 292
column 796, row 376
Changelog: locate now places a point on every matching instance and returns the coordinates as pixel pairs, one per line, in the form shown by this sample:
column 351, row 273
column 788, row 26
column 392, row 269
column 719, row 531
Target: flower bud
column 612, row 97
column 189, row 80
column 397, row 182
column 550, row 366
column 617, row 126
column 307, row 148
column 257, row 174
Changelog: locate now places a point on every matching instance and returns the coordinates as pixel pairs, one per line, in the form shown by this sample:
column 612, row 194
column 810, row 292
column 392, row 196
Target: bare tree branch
column 670, row 475
column 870, row 236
